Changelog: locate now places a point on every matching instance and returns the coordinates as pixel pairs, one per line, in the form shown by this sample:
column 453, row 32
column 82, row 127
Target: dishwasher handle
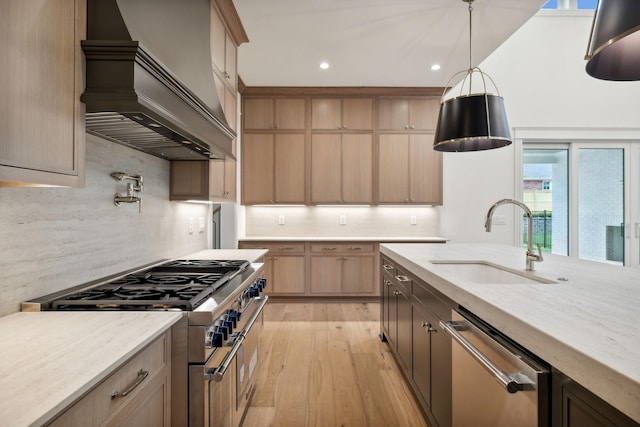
column 512, row 382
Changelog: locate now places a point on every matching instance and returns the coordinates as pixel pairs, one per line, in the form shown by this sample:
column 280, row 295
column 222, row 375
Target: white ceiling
column 370, row 42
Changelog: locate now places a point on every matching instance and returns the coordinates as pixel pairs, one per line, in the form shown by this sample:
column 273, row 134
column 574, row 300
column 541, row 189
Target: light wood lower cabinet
column 147, row 380
column 326, row 269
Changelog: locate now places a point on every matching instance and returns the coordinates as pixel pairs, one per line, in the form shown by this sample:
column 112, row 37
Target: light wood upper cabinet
column 273, row 168
column 408, row 114
column 344, row 114
column 223, row 50
column 341, row 168
column 205, row 180
column 409, row 170
column 274, row 113
column 42, row 132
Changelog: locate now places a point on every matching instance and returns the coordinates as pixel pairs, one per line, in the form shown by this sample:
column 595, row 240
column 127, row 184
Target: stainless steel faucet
column 118, row 199
column 531, row 256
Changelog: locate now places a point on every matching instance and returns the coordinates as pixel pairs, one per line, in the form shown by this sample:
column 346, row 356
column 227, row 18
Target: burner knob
column 229, row 325
column 262, row 283
column 254, row 291
column 217, row 339
column 224, row 332
column 233, row 317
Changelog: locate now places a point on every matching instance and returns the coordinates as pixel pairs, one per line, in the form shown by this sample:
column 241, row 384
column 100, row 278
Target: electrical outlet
column 190, row 225
column 498, row 220
column 201, row 224
column 414, row 220
column 343, row 220
column 280, row 219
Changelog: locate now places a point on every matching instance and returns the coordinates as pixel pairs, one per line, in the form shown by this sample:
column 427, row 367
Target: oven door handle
column 216, row 374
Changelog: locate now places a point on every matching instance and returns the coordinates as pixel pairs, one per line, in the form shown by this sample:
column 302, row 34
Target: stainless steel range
column 214, row 352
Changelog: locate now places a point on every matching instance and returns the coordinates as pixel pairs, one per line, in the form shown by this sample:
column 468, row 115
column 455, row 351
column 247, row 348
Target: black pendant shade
column 614, row 46
column 472, row 123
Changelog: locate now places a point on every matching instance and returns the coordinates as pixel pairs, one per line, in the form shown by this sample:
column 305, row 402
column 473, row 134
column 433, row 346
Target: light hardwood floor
column 323, row 365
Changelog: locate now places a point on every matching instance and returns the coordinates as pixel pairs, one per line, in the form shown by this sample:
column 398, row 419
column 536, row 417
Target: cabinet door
column 217, row 183
column 230, row 54
column 258, row 114
column 42, row 135
column 326, row 275
column 357, row 275
column 230, row 178
column 425, row 170
column 393, row 114
column 289, row 168
column 393, row 168
column 404, row 319
column 357, row 114
column 326, row 113
column 257, row 168
column 422, row 325
column 357, row 168
column 230, row 107
column 423, row 113
column 288, row 275
column 290, row 113
column 326, row 181
column 218, row 36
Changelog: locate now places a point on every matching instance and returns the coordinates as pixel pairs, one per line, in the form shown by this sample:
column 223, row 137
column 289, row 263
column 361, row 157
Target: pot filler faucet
column 118, row 199
column 531, row 256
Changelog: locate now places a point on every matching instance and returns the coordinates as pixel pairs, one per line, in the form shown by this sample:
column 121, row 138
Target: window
column 585, row 199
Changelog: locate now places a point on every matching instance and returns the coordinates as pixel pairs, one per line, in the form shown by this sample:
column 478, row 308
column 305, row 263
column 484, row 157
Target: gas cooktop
column 174, row 285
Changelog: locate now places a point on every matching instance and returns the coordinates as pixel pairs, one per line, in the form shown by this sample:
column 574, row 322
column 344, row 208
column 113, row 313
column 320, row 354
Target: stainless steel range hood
column 149, row 78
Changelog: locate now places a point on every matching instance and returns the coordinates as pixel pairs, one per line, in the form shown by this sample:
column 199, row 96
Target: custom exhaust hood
column 149, row 78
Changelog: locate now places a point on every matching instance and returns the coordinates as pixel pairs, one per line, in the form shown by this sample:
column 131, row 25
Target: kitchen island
column 583, row 323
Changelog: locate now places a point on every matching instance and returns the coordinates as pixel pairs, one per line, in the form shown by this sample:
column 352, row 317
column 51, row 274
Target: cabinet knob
column 413, row 127
column 275, row 126
column 397, row 292
column 226, row 75
column 406, row 126
column 388, row 283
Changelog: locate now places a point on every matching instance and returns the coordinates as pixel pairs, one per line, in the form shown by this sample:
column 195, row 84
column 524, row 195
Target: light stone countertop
column 49, row 359
column 587, row 326
column 251, row 255
column 433, row 239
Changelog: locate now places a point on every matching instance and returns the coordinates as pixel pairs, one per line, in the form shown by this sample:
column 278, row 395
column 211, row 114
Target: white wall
column 54, row 238
column 540, row 73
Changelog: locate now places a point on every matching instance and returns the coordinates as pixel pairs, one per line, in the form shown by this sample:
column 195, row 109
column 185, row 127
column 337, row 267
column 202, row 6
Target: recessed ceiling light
column 435, row 67
column 324, row 65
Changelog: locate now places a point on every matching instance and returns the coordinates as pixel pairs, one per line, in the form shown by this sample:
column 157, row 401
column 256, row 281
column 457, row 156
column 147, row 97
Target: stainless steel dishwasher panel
column 494, row 384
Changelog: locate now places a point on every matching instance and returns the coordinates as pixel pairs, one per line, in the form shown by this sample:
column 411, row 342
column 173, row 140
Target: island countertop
column 586, row 324
column 51, row 358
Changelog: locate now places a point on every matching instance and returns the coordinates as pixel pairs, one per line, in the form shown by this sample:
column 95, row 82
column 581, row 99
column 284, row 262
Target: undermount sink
column 486, row 272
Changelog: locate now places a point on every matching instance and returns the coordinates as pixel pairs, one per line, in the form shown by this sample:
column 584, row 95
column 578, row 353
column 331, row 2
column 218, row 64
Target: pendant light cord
column 470, row 44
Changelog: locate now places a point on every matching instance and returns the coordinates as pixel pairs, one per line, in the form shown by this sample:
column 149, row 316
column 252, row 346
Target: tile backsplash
column 341, row 221
column 55, row 238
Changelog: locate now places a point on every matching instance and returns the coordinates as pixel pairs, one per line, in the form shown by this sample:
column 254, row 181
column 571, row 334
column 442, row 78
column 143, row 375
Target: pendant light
column 613, row 52
column 471, row 121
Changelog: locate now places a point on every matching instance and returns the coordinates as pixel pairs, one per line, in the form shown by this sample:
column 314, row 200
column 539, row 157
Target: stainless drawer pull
column 511, row 382
column 355, row 248
column 387, row 282
column 142, row 375
column 285, row 248
column 329, row 248
column 400, row 278
column 387, row 267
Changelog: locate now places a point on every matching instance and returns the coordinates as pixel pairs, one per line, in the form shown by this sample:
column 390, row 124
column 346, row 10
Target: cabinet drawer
column 98, row 405
column 351, row 248
column 279, row 247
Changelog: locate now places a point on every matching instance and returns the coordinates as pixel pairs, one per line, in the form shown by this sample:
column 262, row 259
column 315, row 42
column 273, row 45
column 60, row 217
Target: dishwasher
column 495, row 382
